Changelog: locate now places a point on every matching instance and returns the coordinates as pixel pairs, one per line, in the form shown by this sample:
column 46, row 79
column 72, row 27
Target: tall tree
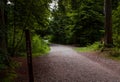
column 3, row 34
column 83, row 19
column 108, row 23
column 32, row 15
column 3, row 45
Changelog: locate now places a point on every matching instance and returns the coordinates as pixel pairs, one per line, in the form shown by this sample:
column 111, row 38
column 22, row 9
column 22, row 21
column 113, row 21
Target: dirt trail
column 63, row 64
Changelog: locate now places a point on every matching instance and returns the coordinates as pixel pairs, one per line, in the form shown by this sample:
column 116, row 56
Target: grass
column 89, row 48
column 84, row 49
column 111, row 53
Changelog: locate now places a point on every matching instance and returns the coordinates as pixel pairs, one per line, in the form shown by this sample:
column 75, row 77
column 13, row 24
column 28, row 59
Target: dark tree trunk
column 29, row 55
column 14, row 32
column 108, row 23
column 3, row 32
column 3, row 36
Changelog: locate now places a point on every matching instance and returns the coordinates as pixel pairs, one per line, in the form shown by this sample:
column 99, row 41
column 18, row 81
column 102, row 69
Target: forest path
column 63, row 64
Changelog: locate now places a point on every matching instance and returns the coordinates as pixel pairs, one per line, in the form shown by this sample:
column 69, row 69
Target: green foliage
column 64, row 27
column 33, row 16
column 115, row 3
column 78, row 22
column 9, row 73
column 61, row 24
column 115, row 52
column 116, row 26
column 95, row 46
column 89, row 22
column 112, row 53
column 39, row 45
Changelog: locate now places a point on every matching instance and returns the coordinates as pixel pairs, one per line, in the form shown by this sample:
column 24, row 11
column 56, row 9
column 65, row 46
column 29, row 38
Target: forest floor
column 63, row 64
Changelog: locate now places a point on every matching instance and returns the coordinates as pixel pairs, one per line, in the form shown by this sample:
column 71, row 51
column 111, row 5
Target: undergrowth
column 93, row 47
column 112, row 53
column 39, row 47
column 8, row 74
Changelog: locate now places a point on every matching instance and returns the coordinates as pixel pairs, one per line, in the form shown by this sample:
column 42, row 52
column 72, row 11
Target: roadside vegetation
column 39, row 48
column 15, row 17
column 71, row 22
column 94, row 47
column 112, row 53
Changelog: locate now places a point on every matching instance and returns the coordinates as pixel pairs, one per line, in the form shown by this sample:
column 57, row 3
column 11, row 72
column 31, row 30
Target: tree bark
column 3, row 42
column 108, row 23
column 3, row 33
column 29, row 55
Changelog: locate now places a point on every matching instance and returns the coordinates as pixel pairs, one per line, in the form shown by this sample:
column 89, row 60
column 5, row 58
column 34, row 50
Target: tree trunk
column 108, row 23
column 3, row 33
column 3, row 44
column 29, row 55
column 14, row 32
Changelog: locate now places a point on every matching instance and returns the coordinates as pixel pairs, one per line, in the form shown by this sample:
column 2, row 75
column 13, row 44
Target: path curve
column 63, row 64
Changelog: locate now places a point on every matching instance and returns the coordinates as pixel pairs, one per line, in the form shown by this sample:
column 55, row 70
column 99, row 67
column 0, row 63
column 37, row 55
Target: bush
column 116, row 26
column 39, row 45
column 115, row 52
column 95, row 46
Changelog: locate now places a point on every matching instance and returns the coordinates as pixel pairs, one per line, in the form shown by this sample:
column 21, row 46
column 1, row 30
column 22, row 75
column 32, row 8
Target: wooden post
column 29, row 55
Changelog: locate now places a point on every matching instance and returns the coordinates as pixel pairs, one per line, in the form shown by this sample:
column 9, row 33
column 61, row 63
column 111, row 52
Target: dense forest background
column 78, row 22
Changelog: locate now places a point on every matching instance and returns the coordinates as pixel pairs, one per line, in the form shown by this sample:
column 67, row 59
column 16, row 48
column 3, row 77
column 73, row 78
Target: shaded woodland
column 72, row 22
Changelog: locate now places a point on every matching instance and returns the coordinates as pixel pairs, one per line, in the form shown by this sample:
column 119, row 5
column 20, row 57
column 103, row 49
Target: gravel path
column 63, row 64
column 103, row 61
